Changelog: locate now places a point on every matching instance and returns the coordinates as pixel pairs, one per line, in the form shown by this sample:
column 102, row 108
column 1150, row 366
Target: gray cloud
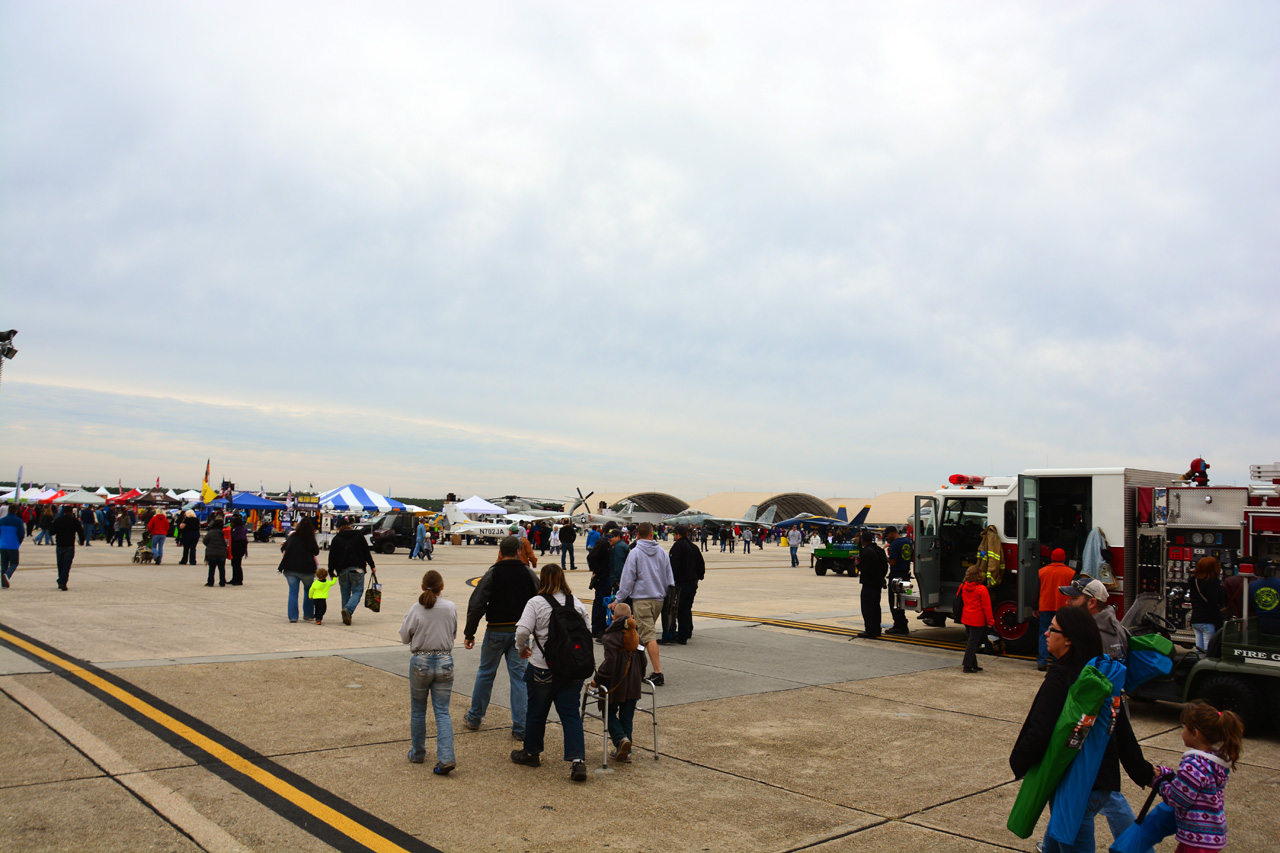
column 844, row 248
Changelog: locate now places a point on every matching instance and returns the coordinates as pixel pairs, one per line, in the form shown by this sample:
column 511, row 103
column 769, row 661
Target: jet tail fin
column 842, row 513
column 768, row 515
column 861, row 517
column 750, row 514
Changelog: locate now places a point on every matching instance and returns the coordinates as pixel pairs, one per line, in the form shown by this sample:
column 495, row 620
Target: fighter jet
column 693, row 518
column 841, row 520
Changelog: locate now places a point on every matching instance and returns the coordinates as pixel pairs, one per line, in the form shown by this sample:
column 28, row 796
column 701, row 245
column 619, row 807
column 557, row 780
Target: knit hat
column 1058, row 555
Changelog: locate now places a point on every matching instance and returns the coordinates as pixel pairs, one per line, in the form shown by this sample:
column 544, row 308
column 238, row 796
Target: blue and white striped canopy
column 355, row 497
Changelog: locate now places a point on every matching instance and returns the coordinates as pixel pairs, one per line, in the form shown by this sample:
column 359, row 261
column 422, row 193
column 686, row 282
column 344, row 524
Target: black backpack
column 570, row 651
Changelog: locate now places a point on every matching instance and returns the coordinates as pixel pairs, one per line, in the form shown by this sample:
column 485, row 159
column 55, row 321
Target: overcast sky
column 841, row 248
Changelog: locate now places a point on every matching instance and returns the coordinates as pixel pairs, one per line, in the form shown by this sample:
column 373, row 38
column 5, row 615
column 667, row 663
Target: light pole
column 7, row 349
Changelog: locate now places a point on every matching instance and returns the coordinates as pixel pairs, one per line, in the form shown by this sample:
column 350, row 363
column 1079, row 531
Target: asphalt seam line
column 165, row 802
column 342, row 825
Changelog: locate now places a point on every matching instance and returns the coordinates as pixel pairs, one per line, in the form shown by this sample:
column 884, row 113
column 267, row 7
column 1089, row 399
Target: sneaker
column 470, row 726
column 517, row 735
column 519, row 756
column 308, row 618
column 346, row 616
column 5, row 581
column 623, row 752
column 443, row 769
column 1043, row 667
column 897, row 631
column 417, row 759
column 578, row 772
column 319, row 621
column 657, row 679
column 866, row 635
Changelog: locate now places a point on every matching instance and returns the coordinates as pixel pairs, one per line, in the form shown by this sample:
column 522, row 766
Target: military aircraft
column 534, row 507
column 693, row 518
column 841, row 520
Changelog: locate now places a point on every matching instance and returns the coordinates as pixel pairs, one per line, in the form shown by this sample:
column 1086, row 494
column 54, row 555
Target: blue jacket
column 12, row 531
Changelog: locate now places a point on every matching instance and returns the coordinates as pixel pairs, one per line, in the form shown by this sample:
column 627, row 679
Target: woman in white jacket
column 545, row 689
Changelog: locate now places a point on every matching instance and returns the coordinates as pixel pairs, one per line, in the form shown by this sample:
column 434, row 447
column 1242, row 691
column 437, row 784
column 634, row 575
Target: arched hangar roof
column 792, row 504
column 659, row 502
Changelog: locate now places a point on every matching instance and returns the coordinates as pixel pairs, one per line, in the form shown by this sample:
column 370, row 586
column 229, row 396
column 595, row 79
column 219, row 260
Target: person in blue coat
column 12, row 532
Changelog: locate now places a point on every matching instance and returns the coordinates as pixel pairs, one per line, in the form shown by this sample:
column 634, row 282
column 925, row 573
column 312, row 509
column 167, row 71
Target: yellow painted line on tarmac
column 338, row 821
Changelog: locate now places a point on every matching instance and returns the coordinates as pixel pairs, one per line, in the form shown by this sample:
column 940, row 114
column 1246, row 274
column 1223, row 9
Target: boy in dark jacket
column 598, row 564
column 621, row 674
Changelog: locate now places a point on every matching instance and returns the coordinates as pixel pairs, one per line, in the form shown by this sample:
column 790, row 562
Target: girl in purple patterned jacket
column 1195, row 792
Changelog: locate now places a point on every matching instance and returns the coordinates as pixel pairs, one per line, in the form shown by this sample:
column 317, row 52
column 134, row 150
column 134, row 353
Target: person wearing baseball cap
column 1053, row 577
column 1092, row 595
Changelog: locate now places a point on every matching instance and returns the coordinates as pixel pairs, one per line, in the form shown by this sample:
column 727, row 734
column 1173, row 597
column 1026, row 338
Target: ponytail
column 1224, row 729
column 432, row 586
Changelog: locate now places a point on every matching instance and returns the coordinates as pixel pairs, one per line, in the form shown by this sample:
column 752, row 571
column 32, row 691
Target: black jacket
column 598, row 563
column 873, row 565
column 215, row 544
column 1033, row 740
column 687, row 565
column 190, row 532
column 500, row 596
column 614, row 674
column 299, row 557
column 67, row 529
column 1206, row 602
column 568, row 534
column 349, row 550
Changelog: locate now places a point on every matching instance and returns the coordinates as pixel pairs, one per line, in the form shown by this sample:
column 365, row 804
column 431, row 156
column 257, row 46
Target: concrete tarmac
column 769, row 739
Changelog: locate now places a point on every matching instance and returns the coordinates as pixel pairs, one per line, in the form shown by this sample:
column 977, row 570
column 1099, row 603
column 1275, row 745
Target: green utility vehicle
column 1240, row 672
column 839, row 557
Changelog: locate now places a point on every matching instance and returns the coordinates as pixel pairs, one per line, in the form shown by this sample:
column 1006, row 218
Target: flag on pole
column 206, row 493
column 120, row 485
column 157, row 482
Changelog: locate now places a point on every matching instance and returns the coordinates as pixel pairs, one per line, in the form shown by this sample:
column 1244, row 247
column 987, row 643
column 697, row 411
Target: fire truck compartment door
column 1028, row 580
column 928, row 557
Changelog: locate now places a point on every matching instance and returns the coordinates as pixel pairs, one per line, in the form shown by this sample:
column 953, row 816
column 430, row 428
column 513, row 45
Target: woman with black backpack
column 561, row 648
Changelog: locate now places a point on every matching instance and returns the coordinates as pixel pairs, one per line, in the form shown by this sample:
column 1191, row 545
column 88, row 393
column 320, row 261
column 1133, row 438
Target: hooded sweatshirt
column 647, row 572
column 1195, row 794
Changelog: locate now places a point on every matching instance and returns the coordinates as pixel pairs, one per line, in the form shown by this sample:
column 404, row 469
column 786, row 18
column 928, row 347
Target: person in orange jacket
column 977, row 616
column 1052, row 576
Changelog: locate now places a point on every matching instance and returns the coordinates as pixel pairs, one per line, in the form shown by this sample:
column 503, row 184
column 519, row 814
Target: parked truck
column 1154, row 526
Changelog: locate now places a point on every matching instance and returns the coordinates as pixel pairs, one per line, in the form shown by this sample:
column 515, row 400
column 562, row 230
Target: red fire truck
column 1155, row 526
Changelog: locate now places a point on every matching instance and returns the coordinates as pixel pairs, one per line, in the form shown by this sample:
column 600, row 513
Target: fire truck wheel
column 1232, row 693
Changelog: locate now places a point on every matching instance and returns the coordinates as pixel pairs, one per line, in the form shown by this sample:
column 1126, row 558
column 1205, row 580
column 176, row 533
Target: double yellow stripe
column 338, row 821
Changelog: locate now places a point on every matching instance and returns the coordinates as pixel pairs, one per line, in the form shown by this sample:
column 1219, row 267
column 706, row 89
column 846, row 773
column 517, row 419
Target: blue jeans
column 417, row 548
column 430, row 672
column 620, row 717
column 1046, row 619
column 302, row 582
column 1204, row 630
column 495, row 646
column 795, row 555
column 1109, row 804
column 351, row 584
column 44, row 537
column 157, row 547
column 746, row 546
column 566, row 560
column 545, row 690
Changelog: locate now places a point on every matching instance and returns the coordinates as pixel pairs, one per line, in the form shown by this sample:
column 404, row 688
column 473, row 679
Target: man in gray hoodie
column 645, row 579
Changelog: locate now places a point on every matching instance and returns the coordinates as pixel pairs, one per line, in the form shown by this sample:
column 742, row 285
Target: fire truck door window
column 1011, row 519
column 963, row 520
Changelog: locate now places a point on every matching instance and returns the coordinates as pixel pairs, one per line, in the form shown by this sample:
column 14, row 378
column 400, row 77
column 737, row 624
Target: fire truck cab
column 1033, row 513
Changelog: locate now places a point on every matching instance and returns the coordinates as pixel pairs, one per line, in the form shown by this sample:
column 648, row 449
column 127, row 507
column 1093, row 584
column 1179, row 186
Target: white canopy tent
column 80, row 497
column 476, row 505
column 102, row 490
column 188, row 496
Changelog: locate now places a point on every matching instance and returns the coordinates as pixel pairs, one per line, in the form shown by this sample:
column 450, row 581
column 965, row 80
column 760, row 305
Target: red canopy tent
column 48, row 499
column 125, row 498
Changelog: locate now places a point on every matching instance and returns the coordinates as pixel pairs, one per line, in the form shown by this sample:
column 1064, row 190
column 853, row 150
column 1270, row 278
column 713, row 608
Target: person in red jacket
column 976, row 617
column 158, row 527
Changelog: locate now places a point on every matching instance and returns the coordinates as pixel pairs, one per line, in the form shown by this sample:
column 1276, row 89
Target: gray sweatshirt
column 647, row 572
column 431, row 630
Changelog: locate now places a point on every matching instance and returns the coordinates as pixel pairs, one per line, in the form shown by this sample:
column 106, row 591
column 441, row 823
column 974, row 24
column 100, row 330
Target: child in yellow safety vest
column 319, row 593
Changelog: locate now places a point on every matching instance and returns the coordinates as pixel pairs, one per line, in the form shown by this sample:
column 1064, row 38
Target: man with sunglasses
column 1092, row 596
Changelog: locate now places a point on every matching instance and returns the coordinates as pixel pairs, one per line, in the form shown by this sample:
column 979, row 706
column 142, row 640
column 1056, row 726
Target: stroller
column 143, row 553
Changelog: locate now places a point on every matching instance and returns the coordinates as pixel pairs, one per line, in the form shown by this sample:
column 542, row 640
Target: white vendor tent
column 352, row 497
column 476, row 505
column 188, row 496
column 102, row 490
column 80, row 497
